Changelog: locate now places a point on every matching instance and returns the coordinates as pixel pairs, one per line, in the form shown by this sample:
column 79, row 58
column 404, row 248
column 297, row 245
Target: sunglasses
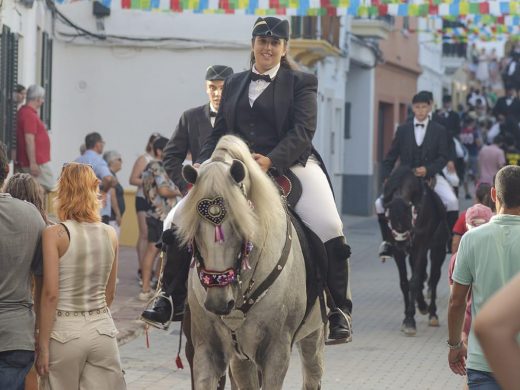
column 77, row 163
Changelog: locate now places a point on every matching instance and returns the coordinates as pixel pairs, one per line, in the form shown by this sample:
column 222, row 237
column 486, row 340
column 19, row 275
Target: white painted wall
column 430, row 59
column 126, row 94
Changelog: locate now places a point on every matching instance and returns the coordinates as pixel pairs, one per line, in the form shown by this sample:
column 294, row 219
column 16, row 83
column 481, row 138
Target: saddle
column 314, row 253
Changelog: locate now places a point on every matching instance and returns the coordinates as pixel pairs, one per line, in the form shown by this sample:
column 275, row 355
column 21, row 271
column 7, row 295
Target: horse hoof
column 422, row 310
column 434, row 321
column 408, row 329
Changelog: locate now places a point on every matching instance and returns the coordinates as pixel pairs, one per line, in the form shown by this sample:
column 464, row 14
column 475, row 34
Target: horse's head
column 401, row 215
column 219, row 222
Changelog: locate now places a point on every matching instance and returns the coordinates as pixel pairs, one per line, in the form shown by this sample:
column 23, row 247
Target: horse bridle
column 406, row 235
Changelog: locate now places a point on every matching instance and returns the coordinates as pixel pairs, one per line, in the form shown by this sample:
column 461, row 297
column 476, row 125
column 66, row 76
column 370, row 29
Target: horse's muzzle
column 220, row 310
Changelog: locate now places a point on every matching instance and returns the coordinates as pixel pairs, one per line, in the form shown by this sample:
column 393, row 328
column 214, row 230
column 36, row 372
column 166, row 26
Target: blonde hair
column 77, row 196
column 23, row 186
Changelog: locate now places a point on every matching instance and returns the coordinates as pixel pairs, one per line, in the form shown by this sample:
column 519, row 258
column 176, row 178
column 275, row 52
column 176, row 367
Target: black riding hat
column 270, row 26
column 218, row 72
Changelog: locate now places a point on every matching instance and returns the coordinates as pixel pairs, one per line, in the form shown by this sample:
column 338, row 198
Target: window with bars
column 8, row 81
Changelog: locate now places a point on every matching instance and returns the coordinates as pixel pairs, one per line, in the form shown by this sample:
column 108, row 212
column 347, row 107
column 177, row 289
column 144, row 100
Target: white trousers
column 316, row 207
column 442, row 188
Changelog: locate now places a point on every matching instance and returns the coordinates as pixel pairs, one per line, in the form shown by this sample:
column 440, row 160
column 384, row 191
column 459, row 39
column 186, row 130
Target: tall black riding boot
column 339, row 302
column 451, row 218
column 385, row 249
column 174, row 279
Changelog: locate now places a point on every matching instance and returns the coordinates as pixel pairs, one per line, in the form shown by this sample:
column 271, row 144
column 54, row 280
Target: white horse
column 247, row 290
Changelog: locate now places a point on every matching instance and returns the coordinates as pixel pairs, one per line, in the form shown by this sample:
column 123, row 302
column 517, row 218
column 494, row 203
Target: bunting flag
column 362, row 8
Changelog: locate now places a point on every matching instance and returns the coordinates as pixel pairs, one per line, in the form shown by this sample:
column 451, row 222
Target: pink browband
column 217, row 279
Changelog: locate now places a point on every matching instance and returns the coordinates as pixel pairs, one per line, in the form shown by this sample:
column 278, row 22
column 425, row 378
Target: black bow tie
column 212, row 114
column 419, row 125
column 256, row 77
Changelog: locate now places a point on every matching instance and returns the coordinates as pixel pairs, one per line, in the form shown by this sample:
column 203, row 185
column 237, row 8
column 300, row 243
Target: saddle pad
column 315, row 257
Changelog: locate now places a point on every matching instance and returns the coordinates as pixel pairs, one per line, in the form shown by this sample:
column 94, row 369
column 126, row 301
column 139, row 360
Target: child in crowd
column 161, row 194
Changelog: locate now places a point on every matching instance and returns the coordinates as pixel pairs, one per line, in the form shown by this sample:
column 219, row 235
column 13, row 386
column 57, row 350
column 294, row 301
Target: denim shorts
column 14, row 366
column 481, row 380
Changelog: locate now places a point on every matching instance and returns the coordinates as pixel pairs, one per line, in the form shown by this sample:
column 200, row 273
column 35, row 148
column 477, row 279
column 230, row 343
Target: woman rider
column 274, row 108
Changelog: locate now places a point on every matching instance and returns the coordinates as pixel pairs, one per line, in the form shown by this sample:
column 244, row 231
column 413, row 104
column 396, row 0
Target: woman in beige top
column 77, row 345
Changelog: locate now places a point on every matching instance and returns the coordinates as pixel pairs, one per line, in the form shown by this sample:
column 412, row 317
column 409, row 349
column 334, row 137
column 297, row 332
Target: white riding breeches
column 167, row 223
column 446, row 193
column 316, row 207
column 442, row 188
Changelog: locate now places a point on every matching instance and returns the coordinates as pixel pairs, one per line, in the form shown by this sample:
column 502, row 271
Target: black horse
column 417, row 220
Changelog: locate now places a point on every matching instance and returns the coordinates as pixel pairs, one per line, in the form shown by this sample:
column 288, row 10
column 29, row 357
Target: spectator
column 470, row 138
column 141, row 205
column 497, row 327
column 475, row 216
column 511, row 151
column 21, row 226
column 117, row 194
column 34, row 147
column 482, row 196
column 494, row 71
column 24, row 187
column 490, row 159
column 162, row 195
column 482, row 73
column 92, row 156
column 508, row 105
column 20, row 93
column 77, row 340
column 486, row 261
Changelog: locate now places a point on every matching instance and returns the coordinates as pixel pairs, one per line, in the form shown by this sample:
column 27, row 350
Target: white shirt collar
column 271, row 72
column 211, row 108
column 425, row 123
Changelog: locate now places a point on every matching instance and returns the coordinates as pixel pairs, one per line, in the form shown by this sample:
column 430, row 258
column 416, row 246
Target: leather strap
column 250, row 300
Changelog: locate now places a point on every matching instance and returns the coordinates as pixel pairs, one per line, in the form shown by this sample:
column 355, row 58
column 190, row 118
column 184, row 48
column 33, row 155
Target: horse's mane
column 215, row 180
column 399, row 177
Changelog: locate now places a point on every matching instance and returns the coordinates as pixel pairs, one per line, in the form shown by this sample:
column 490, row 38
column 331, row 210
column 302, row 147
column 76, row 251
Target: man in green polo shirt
column 488, row 257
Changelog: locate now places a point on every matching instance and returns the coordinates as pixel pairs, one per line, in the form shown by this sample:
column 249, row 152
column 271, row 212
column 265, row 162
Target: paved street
column 380, row 357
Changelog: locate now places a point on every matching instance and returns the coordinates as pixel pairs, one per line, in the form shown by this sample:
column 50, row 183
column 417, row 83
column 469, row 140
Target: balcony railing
column 314, row 38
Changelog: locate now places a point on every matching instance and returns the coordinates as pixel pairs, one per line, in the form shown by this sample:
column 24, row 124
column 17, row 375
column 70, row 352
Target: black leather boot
column 386, row 248
column 175, row 275
column 340, row 323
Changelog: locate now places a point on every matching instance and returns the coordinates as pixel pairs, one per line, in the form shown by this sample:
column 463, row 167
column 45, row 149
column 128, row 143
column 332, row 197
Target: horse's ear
column 190, row 174
column 238, row 171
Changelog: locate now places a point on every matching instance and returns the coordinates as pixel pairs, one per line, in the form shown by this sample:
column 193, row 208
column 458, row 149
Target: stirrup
column 159, row 325
column 349, row 322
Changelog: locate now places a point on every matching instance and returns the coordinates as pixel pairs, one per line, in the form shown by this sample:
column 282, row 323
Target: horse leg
column 244, row 375
column 416, row 283
column 208, row 368
column 421, row 302
column 311, row 353
column 400, row 261
column 274, row 363
column 437, row 256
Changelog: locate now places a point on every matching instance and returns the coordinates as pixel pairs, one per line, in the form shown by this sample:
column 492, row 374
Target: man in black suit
column 422, row 145
column 195, row 125
column 508, row 105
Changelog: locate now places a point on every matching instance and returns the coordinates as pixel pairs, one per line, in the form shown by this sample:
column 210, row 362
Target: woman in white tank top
column 77, row 344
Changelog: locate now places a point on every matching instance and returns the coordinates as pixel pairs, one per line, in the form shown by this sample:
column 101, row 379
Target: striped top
column 85, row 267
